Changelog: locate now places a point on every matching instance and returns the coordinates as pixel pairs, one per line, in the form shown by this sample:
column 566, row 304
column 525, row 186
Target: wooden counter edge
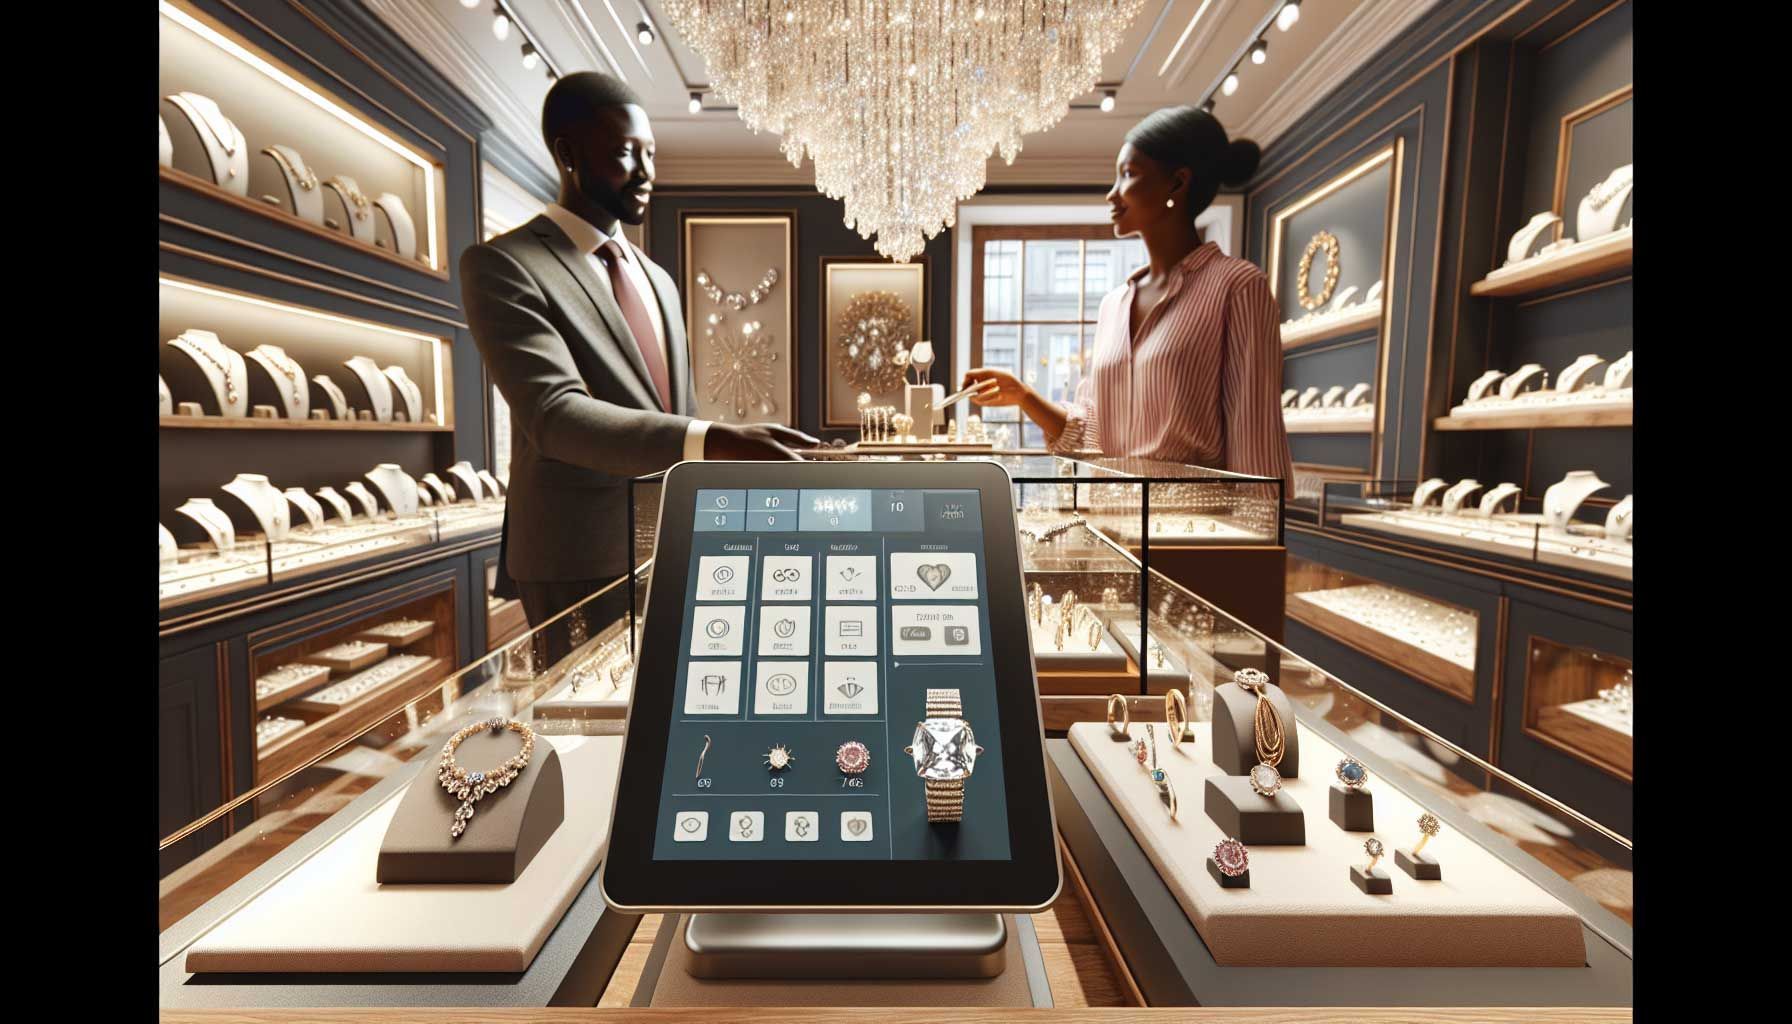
column 918, row 1015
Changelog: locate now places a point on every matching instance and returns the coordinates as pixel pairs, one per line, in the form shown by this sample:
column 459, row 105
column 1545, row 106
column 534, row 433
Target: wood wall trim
column 250, row 268
column 914, row 1015
column 226, row 236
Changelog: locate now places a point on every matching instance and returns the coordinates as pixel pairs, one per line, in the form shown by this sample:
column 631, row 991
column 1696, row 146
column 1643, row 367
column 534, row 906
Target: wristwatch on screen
column 945, row 751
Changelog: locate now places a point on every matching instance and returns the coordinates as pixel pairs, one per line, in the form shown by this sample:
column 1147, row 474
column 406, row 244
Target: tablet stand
column 846, row 945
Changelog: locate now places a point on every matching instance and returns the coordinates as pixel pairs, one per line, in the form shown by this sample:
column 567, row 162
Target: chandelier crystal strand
column 900, row 103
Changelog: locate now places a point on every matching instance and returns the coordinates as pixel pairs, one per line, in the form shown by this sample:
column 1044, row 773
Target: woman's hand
column 1006, row 390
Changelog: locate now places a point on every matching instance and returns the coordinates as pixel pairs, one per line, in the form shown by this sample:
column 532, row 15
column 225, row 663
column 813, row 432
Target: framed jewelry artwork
column 740, row 314
column 869, row 311
column 1594, row 139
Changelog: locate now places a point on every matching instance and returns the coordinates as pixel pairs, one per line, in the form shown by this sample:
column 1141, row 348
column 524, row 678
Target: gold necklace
column 288, row 369
column 471, row 787
column 354, row 196
column 229, row 383
column 306, row 180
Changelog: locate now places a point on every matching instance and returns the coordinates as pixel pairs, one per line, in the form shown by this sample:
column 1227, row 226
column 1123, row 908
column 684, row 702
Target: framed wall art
column 740, row 314
column 869, row 310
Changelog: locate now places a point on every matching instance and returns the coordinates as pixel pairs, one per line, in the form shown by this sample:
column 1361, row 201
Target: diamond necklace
column 735, row 300
column 471, row 787
column 223, row 368
column 1606, row 190
column 288, row 369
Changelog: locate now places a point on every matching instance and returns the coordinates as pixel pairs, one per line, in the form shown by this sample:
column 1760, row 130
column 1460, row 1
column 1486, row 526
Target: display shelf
column 271, row 103
column 206, row 573
column 328, row 726
column 1350, row 320
column 1355, row 423
column 1430, row 640
column 1515, row 536
column 286, row 682
column 1577, row 262
column 250, row 423
column 1614, row 415
column 1580, row 700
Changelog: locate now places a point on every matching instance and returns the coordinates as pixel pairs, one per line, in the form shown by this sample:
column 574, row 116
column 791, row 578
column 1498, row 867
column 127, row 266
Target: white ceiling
column 1173, row 53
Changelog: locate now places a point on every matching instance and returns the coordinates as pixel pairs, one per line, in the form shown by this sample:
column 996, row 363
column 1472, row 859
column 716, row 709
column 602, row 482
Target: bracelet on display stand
column 369, row 504
column 1357, row 395
column 442, row 489
column 1482, row 384
column 1373, row 294
column 1289, row 397
column 1617, row 374
column 463, row 473
column 1309, row 398
column 1333, row 397
column 1619, row 521
column 226, row 152
column 1341, row 300
column 302, row 189
column 1457, row 494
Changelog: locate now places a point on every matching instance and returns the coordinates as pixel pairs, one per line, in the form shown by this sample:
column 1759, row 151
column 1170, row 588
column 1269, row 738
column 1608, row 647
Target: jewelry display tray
column 326, row 916
column 1172, row 964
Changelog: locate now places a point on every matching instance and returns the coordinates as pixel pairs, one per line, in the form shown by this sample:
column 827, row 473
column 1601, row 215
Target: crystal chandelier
column 901, row 102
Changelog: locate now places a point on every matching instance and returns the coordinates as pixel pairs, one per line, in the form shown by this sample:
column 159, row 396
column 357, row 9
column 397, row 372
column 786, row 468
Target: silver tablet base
column 847, row 945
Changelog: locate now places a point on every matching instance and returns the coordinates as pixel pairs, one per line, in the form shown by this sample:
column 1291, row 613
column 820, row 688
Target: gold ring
column 1124, row 729
column 1168, row 792
column 1428, row 827
column 1175, row 714
column 1372, row 847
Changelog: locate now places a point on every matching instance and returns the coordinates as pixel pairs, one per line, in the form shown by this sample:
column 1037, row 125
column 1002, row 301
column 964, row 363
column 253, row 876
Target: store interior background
column 1433, row 128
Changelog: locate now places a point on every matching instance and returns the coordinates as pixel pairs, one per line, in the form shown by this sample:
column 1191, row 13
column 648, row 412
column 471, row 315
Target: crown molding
column 1196, row 47
column 1358, row 39
column 423, row 28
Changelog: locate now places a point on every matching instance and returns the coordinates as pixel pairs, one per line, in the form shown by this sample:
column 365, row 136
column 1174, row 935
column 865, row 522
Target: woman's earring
column 1169, row 202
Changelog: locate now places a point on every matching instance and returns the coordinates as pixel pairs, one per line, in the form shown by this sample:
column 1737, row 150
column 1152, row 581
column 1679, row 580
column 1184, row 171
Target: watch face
column 944, row 749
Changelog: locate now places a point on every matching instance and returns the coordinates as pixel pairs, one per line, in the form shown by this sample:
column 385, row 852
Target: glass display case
column 1432, row 640
column 1579, row 700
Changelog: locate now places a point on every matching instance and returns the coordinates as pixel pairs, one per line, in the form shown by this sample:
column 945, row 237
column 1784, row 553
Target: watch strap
column 944, row 704
column 945, row 797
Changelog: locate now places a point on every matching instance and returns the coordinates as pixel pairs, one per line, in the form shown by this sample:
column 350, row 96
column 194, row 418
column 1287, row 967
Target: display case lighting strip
column 324, row 103
column 434, row 343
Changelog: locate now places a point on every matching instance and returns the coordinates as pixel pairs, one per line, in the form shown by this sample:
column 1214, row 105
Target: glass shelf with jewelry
column 345, row 716
column 314, row 684
column 1577, row 523
column 1579, row 699
column 1431, row 640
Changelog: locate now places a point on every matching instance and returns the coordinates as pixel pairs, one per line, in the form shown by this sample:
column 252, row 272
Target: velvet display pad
column 677, row 987
column 507, row 829
column 1302, row 909
column 329, row 914
column 1235, row 730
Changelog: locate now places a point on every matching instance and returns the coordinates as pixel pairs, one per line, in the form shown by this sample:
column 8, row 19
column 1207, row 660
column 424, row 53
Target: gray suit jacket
column 584, row 415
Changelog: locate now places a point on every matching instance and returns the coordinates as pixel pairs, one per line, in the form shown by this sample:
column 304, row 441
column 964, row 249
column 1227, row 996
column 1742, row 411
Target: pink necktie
column 640, row 324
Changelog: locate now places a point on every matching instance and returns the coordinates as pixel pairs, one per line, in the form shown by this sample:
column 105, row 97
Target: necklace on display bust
column 301, row 183
column 1617, row 375
column 369, row 504
column 1567, row 494
column 356, row 205
column 735, row 300
column 1598, row 213
column 221, row 365
column 338, row 400
column 471, row 787
column 212, row 520
column 377, row 385
column 223, row 143
column 463, row 471
column 264, row 500
column 169, row 549
column 306, row 505
column 408, row 390
column 344, row 511
column 167, row 397
column 395, row 485
column 404, row 230
column 1619, row 521
column 164, row 144
column 443, row 491
column 281, row 366
column 494, row 488
column 1519, row 249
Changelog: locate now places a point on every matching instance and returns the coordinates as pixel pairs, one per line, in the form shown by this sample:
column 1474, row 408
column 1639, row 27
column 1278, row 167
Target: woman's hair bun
column 1239, row 161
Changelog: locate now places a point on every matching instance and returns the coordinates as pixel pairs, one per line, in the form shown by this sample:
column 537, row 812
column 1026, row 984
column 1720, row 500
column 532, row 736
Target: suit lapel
column 677, row 347
column 579, row 266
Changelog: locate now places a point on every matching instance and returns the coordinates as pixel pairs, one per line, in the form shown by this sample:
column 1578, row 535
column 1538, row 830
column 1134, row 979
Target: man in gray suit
column 584, row 337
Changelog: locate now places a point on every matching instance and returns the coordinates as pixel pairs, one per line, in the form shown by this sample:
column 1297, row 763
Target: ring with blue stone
column 1352, row 774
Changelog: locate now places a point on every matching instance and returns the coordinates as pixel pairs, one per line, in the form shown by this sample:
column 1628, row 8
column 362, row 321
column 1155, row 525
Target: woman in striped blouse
column 1188, row 355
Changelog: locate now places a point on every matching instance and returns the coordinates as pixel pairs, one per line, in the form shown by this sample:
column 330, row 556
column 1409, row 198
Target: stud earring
column 1169, row 202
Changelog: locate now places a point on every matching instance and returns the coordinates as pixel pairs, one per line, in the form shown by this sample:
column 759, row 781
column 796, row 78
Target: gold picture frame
column 737, row 247
column 842, row 278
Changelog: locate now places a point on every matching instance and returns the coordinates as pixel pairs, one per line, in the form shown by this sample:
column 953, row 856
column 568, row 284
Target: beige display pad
column 677, row 988
column 329, row 914
column 1301, row 909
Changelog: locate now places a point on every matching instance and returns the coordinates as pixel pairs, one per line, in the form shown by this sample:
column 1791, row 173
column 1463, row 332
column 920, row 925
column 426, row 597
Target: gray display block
column 1255, row 820
column 1376, row 883
column 1352, row 810
column 1228, row 881
column 1235, row 734
column 1423, row 866
column 506, row 831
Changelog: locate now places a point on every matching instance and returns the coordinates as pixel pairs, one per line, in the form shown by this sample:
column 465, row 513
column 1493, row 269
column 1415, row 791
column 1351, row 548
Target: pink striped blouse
column 1203, row 384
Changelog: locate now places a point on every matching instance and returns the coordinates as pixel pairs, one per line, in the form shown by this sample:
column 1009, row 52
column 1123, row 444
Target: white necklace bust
column 1598, row 212
column 1566, row 495
column 222, row 367
column 264, row 501
column 377, row 385
column 463, row 472
column 437, row 484
column 395, row 485
column 288, row 377
column 301, row 183
column 1422, row 494
column 306, row 506
column 226, row 153
column 332, row 394
column 212, row 520
column 493, row 487
column 1493, row 499
column 344, row 511
column 369, row 504
column 407, row 392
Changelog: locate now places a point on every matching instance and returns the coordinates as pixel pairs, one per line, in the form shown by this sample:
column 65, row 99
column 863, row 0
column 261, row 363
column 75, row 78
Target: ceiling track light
column 1288, row 15
column 1107, row 100
column 500, row 23
column 696, row 104
column 1207, row 107
column 470, row 4
column 1260, row 51
column 531, row 57
column 1230, row 85
column 644, row 33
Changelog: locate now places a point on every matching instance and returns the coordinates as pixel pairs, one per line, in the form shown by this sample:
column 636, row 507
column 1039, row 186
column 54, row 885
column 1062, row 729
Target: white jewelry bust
column 1519, row 248
column 493, row 488
column 357, row 210
column 344, row 511
column 333, row 394
column 305, row 505
column 407, row 392
column 1289, row 396
column 441, row 487
column 1598, row 212
column 1333, row 397
column 212, row 520
column 169, row 549
column 1482, row 384
column 1357, row 395
column 377, row 385
column 1374, row 293
column 264, row 501
column 395, row 485
column 1341, row 300
column 1511, row 386
column 1566, row 495
column 1457, row 494
column 404, row 230
column 288, row 377
column 423, row 496
column 1577, row 375
column 164, row 144
column 1422, row 494
column 369, row 504
column 1618, row 521
column 222, row 367
column 1309, row 398
column 167, row 397
column 1492, row 500
column 1617, row 374
column 226, row 151
column 302, row 187
column 463, row 472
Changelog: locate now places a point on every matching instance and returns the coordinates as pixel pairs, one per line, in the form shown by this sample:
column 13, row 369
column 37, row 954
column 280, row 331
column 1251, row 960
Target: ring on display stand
column 1428, row 827
column 1175, row 715
column 1124, row 729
